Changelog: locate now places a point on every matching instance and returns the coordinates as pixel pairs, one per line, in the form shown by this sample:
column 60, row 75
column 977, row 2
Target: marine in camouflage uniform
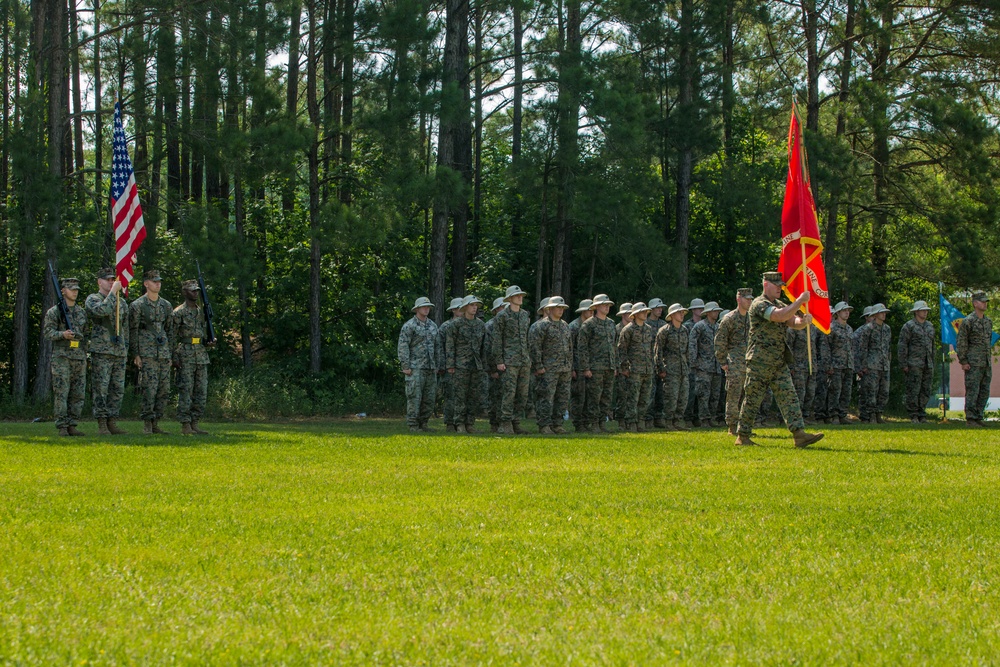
column 495, row 386
column 418, row 355
column 691, row 410
column 531, row 412
column 875, row 352
column 768, row 357
column 150, row 347
column 731, row 350
column 821, row 377
column 445, row 389
column 621, row 381
column 805, row 384
column 635, row 361
column 188, row 330
column 597, row 355
column 578, row 387
column 915, row 351
column 510, row 352
column 551, row 348
column 464, row 355
column 108, row 346
column 701, row 356
column 69, row 358
column 974, row 345
column 655, row 417
column 670, row 359
column 841, row 370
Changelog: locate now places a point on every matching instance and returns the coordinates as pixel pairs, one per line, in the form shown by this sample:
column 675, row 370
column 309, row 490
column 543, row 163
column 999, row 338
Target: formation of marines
column 150, row 331
column 662, row 370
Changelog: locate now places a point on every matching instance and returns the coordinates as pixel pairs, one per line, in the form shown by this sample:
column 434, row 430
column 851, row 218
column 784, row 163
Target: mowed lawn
column 356, row 543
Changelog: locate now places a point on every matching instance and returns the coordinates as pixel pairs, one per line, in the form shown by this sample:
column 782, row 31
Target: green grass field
column 354, row 543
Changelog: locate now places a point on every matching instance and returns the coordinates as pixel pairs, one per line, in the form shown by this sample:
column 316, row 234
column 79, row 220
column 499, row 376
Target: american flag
column 126, row 211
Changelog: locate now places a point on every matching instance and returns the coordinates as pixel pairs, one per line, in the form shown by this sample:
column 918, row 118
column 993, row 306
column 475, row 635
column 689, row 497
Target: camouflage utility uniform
column 874, row 350
column 187, row 331
column 108, row 352
column 670, row 353
column 418, row 353
column 635, row 357
column 655, row 412
column 915, row 351
column 496, row 388
column 69, row 364
column 464, row 342
column 768, row 357
column 578, row 385
column 149, row 340
column 821, row 377
column 838, row 396
column 730, row 351
column 975, row 341
column 598, row 354
column 805, row 382
column 551, row 349
column 445, row 384
column 707, row 373
column 510, row 348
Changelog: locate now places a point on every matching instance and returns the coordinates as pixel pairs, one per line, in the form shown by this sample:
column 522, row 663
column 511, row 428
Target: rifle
column 60, row 301
column 207, row 308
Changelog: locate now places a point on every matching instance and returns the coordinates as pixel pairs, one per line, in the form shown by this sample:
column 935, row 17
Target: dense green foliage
column 632, row 148
column 356, row 544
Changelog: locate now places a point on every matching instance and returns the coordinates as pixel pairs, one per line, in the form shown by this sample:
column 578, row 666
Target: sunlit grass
column 356, row 543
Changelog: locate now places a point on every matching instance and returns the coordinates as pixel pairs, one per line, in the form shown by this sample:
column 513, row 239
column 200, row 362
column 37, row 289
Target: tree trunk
column 74, row 36
column 517, row 123
column 315, row 251
column 347, row 94
column 880, row 153
column 477, row 167
column 837, row 182
column 292, row 98
column 567, row 149
column 728, row 104
column 685, row 161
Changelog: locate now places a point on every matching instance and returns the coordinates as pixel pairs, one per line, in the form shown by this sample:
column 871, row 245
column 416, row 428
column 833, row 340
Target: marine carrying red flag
column 801, row 262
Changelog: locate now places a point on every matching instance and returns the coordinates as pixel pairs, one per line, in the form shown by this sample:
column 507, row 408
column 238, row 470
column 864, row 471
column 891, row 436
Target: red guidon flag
column 801, row 262
column 126, row 211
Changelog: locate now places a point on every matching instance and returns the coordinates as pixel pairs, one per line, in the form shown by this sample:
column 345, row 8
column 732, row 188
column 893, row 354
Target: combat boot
column 414, row 429
column 197, row 431
column 559, row 430
column 639, row 427
column 632, row 427
column 459, row 428
column 186, row 429
column 469, row 428
column 681, row 426
column 833, row 421
column 113, row 427
column 973, row 423
column 803, row 439
column 649, row 425
column 603, row 426
column 157, row 429
column 147, row 427
column 659, row 423
column 732, row 429
column 73, row 430
column 63, row 431
column 450, row 428
column 743, row 440
column 546, row 430
column 879, row 419
column 517, row 428
column 494, row 427
column 505, row 428
column 102, row 426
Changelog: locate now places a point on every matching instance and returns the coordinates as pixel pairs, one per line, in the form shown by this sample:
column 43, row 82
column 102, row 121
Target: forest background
column 327, row 161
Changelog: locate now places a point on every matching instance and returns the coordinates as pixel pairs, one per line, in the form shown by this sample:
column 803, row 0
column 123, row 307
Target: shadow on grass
column 895, row 452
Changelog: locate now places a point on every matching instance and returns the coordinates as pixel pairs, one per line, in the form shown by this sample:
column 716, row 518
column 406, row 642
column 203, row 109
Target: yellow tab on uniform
column 74, row 343
column 195, row 341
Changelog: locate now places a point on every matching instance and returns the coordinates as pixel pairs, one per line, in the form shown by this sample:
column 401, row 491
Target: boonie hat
column 585, row 305
column 513, row 290
column 842, row 305
column 675, row 308
column 600, row 300
column 919, row 305
column 711, row 307
column 656, row 303
column 498, row 303
column 639, row 307
column 697, row 303
column 420, row 303
column 456, row 303
column 471, row 299
column 625, row 309
column 879, row 308
column 774, row 277
column 557, row 302
column 541, row 306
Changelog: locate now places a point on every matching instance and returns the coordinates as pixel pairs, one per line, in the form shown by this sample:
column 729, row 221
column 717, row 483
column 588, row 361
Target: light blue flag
column 950, row 319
